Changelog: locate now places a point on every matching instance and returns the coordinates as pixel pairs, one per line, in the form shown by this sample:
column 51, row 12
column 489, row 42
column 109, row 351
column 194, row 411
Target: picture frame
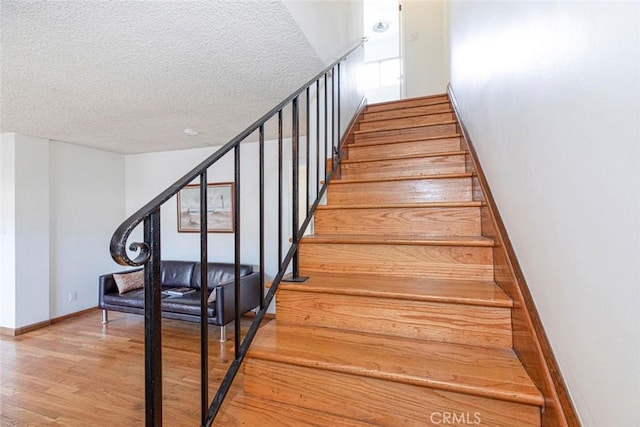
column 220, row 208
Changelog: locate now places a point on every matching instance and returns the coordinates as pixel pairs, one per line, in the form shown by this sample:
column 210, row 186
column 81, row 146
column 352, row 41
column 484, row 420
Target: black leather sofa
column 174, row 274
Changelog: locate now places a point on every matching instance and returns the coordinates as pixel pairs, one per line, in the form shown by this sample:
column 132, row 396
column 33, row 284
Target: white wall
column 7, row 231
column 147, row 175
column 32, row 230
column 332, row 27
column 425, row 44
column 87, row 204
column 60, row 204
column 550, row 92
column 25, row 230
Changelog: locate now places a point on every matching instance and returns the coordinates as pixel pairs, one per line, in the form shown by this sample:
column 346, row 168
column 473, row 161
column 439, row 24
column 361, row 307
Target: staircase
column 400, row 322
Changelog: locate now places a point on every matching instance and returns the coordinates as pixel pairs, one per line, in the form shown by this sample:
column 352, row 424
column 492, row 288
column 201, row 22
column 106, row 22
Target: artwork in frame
column 219, row 208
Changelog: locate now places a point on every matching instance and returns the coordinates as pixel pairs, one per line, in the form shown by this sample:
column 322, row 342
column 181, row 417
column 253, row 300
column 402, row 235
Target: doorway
column 382, row 77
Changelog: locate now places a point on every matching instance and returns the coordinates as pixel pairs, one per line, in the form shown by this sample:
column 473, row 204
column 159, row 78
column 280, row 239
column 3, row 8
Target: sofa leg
column 105, row 317
column 223, row 333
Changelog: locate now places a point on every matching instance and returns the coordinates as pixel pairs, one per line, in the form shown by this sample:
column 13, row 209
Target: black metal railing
column 323, row 143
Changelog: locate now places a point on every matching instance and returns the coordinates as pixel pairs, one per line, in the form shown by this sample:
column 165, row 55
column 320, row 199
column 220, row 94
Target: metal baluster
column 153, row 323
column 204, row 295
column 307, row 154
column 295, row 275
column 317, row 137
column 338, row 152
column 261, row 160
column 279, row 189
column 326, row 126
column 236, row 226
column 333, row 117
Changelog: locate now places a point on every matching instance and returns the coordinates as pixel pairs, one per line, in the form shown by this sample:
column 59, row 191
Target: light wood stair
column 438, row 218
column 404, row 122
column 396, row 166
column 407, row 256
column 440, row 106
column 400, row 322
column 455, row 311
column 405, row 148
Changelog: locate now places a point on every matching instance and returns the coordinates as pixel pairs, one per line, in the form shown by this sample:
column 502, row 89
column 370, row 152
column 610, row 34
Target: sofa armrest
column 107, row 285
column 225, row 296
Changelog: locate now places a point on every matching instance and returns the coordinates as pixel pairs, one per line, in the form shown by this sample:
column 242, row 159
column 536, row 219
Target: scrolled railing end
column 118, row 247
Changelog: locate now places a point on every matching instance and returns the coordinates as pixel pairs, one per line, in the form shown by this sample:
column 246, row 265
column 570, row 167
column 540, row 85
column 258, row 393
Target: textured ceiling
column 129, row 77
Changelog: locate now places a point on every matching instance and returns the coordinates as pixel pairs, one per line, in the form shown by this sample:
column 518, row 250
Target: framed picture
column 219, row 208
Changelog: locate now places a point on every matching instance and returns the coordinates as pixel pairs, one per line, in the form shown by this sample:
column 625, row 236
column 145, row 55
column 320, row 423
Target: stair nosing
column 412, row 156
column 401, row 178
column 462, row 204
column 364, row 132
column 528, row 398
column 408, row 240
column 428, row 138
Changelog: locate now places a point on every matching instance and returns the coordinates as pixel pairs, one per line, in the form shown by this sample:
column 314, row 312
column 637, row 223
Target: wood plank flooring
column 81, row 373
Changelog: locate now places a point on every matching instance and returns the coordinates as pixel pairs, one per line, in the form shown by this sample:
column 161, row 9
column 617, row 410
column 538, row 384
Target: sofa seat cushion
column 186, row 304
column 133, row 299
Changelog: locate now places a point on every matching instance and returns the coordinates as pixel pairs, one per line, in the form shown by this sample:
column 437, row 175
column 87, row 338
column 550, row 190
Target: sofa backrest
column 219, row 272
column 177, row 273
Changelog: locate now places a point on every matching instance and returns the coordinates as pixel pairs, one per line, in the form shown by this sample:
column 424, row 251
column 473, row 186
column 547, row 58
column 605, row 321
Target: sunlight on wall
column 523, row 46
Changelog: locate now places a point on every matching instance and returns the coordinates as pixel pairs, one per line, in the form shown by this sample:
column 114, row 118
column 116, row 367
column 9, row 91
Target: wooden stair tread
column 400, row 178
column 404, row 127
column 402, row 103
column 412, row 156
column 410, row 239
column 468, row 292
column 488, row 372
column 464, row 204
column 408, row 111
column 425, row 139
column 245, row 410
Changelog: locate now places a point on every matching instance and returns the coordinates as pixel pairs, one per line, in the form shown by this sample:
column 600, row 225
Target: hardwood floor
column 79, row 372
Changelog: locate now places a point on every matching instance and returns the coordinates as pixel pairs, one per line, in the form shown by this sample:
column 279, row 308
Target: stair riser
column 407, row 112
column 405, row 167
column 442, row 322
column 407, row 121
column 378, row 401
column 250, row 411
column 405, row 191
column 443, row 262
column 403, row 149
column 398, row 221
column 407, row 103
column 408, row 134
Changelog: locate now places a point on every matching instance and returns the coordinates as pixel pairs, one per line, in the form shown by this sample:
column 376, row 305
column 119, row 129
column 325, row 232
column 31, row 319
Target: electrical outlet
column 73, row 296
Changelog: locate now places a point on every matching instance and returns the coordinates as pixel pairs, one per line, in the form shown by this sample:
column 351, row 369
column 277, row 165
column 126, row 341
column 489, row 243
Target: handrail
column 149, row 250
column 121, row 235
